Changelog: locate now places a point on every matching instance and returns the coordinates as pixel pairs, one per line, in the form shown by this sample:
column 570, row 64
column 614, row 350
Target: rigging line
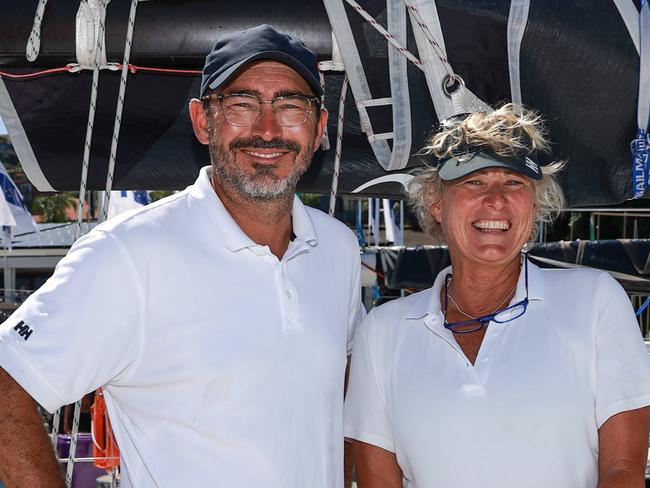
column 34, row 41
column 35, row 74
column 438, row 49
column 134, row 68
column 339, row 142
column 73, row 68
column 389, row 37
column 118, row 112
column 99, row 47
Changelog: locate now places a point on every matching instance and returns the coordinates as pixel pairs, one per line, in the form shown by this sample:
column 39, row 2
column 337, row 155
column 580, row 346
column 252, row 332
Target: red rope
column 68, row 68
column 133, row 68
column 35, row 73
column 383, row 276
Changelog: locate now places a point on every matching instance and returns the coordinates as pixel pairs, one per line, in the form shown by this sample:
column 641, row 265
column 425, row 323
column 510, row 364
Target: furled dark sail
column 578, row 66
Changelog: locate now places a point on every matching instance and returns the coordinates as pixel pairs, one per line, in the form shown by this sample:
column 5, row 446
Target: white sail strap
column 397, row 20
column 643, row 112
column 357, row 78
column 436, row 40
column 398, row 156
column 630, row 16
column 387, row 35
column 640, row 146
column 34, row 41
column 120, row 106
column 448, row 92
column 339, row 143
column 517, row 20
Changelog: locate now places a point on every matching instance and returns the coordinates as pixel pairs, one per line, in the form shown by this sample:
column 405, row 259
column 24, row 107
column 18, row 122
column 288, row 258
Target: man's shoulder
column 326, row 225
column 153, row 215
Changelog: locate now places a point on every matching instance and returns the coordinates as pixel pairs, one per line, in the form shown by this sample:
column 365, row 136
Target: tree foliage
column 53, row 206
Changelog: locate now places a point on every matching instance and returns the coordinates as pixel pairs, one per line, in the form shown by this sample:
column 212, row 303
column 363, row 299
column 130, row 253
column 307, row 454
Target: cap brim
column 464, row 164
column 224, row 77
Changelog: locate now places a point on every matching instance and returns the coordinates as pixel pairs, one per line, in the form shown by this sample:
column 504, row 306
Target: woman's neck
column 481, row 290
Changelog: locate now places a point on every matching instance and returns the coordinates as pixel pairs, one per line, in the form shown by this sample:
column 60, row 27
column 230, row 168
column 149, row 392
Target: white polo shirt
column 222, row 365
column 527, row 413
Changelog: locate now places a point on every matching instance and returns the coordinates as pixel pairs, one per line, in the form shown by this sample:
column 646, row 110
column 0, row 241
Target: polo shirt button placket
column 290, row 305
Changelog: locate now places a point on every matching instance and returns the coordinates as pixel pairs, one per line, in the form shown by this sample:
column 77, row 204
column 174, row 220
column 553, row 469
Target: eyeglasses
column 243, row 109
column 502, row 316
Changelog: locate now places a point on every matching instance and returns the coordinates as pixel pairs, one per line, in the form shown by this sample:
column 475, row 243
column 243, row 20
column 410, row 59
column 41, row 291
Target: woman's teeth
column 491, row 224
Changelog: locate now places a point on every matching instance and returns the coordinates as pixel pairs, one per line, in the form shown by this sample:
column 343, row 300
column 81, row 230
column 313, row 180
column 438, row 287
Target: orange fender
column 105, row 449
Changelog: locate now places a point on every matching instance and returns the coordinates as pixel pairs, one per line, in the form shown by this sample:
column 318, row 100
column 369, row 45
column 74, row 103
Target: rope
column 120, row 106
column 34, row 41
column 370, row 19
column 339, row 142
column 325, row 140
column 91, row 118
column 82, row 194
column 74, row 68
column 74, row 435
column 56, row 419
column 440, row 51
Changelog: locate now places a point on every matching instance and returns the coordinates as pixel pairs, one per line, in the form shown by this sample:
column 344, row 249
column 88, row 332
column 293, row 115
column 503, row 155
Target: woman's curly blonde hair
column 508, row 131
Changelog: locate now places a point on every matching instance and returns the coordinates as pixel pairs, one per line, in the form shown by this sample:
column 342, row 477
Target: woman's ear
column 436, row 211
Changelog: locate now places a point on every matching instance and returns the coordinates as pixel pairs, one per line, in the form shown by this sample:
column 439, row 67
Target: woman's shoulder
column 583, row 277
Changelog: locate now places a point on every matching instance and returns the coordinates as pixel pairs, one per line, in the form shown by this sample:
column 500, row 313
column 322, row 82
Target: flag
column 14, row 215
column 123, row 201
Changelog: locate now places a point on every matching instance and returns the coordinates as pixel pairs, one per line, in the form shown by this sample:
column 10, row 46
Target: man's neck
column 266, row 222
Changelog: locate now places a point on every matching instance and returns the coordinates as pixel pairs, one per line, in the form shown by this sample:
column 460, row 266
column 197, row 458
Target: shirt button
column 288, row 293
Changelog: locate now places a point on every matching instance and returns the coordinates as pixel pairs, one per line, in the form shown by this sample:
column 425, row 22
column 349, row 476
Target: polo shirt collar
column 428, row 302
column 231, row 234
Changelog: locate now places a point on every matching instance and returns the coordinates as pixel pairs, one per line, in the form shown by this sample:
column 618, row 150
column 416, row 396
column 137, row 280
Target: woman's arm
column 375, row 467
column 623, row 449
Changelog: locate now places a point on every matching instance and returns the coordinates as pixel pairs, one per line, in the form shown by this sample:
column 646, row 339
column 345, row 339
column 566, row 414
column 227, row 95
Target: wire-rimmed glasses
column 501, row 316
column 243, row 109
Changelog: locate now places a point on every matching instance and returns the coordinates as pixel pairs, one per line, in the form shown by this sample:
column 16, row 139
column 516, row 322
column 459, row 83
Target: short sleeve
column 622, row 361
column 365, row 417
column 357, row 311
column 81, row 329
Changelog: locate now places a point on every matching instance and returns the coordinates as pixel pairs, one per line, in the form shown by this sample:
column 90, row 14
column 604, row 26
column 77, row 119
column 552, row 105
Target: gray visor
column 464, row 164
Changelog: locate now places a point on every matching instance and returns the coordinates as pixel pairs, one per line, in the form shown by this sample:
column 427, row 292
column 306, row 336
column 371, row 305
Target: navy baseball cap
column 234, row 51
column 466, row 163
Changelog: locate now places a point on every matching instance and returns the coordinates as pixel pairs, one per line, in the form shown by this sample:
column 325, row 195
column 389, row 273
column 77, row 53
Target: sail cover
column 577, row 63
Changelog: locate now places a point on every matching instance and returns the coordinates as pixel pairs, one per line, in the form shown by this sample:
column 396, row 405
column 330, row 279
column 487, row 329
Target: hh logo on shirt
column 23, row 330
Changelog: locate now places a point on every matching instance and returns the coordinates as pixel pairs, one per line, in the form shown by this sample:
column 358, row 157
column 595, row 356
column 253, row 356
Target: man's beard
column 263, row 184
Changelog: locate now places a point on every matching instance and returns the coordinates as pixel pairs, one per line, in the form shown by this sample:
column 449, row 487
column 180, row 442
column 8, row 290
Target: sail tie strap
column 640, row 146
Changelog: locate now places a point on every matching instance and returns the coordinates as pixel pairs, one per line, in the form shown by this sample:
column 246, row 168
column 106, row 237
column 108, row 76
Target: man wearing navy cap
column 218, row 320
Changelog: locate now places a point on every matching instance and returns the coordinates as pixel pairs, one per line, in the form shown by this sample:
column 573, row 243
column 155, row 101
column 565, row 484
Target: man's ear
column 199, row 121
column 321, row 125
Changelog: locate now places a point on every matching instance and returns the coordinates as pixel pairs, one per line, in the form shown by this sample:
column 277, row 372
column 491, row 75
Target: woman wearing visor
column 502, row 374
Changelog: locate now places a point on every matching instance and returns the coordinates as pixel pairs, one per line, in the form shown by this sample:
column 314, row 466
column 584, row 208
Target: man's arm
column 376, row 467
column 623, row 449
column 26, row 456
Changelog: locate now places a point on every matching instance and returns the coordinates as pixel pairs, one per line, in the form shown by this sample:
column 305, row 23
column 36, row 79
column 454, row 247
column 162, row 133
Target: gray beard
column 262, row 184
